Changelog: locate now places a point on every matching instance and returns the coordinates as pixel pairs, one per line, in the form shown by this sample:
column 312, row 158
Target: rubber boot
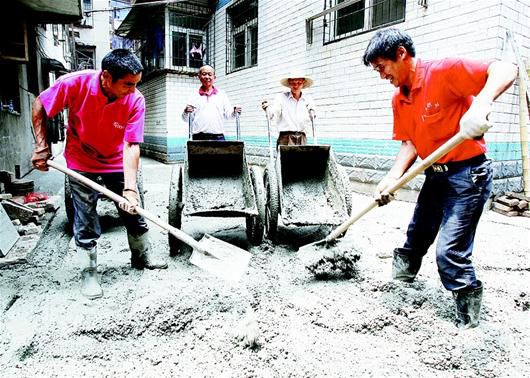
column 405, row 268
column 90, row 286
column 141, row 256
column 468, row 303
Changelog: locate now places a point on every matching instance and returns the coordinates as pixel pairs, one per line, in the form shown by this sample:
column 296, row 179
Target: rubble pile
column 511, row 204
column 27, row 211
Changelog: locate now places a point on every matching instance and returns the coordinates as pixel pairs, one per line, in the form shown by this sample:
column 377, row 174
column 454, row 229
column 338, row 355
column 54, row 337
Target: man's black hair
column 120, row 62
column 384, row 44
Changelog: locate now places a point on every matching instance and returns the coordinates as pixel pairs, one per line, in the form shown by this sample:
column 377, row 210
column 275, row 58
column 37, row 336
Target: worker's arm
column 404, row 159
column 41, row 151
column 131, row 159
column 474, row 122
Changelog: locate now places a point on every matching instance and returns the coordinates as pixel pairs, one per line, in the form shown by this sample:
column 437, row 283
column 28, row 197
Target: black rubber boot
column 90, row 286
column 141, row 256
column 468, row 304
column 405, row 268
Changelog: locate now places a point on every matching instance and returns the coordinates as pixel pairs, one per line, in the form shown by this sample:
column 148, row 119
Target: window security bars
column 242, row 35
column 361, row 16
column 346, row 18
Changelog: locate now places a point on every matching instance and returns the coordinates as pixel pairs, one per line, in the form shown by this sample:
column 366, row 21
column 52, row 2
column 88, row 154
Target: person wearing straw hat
column 292, row 109
column 434, row 100
column 208, row 108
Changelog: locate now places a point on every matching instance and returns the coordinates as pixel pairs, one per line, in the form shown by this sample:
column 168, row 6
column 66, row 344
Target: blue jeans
column 87, row 229
column 450, row 204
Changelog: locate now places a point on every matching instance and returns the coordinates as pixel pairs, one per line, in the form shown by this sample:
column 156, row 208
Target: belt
column 452, row 165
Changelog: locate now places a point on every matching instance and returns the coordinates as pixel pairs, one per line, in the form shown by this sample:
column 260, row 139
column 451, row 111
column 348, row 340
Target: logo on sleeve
column 118, row 126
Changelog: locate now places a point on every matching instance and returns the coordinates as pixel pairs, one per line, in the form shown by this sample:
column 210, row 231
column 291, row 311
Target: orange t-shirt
column 441, row 93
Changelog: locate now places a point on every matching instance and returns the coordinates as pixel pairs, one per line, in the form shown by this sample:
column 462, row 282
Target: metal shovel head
column 220, row 258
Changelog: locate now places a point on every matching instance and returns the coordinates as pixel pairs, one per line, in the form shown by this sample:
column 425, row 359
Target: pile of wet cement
column 335, row 263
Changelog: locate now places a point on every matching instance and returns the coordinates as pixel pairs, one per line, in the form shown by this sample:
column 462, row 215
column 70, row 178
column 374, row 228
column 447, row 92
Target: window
column 84, row 57
column 9, row 90
column 14, row 44
column 360, row 17
column 242, row 31
column 188, row 35
column 188, row 50
column 87, row 14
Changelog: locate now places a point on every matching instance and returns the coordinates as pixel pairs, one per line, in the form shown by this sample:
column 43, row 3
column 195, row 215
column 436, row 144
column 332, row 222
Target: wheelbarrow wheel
column 175, row 208
column 256, row 223
column 272, row 203
column 68, row 203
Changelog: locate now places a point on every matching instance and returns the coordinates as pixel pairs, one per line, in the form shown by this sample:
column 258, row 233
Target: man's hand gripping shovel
column 217, row 257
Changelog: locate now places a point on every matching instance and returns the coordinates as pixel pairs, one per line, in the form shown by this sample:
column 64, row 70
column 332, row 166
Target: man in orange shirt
column 435, row 100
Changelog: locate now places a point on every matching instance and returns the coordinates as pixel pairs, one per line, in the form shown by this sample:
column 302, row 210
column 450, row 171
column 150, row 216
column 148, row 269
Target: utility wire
column 132, row 6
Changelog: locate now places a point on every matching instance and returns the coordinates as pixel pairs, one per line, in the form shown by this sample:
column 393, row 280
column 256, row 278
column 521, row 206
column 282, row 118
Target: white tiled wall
column 353, row 102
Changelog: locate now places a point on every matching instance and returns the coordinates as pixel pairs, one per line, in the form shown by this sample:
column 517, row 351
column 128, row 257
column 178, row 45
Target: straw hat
column 297, row 74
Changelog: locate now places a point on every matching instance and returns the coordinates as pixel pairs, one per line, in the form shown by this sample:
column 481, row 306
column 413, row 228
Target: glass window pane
column 350, row 18
column 385, row 11
column 179, row 49
column 239, row 50
column 253, row 31
column 196, row 51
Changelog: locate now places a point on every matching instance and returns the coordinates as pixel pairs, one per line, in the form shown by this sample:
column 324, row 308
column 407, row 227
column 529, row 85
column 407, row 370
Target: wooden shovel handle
column 409, row 175
column 117, row 198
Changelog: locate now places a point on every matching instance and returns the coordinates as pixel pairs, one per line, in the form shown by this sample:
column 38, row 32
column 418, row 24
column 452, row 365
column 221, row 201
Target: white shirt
column 290, row 114
column 210, row 112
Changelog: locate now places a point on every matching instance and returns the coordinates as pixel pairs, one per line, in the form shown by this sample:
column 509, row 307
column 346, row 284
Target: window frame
column 189, row 34
column 331, row 24
column 246, row 28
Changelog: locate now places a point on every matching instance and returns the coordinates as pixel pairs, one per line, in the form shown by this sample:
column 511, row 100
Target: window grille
column 87, row 14
column 242, row 35
column 360, row 16
column 84, row 57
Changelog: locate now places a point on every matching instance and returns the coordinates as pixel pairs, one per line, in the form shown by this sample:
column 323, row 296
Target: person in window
column 433, row 101
column 105, row 129
column 196, row 54
column 292, row 110
column 208, row 108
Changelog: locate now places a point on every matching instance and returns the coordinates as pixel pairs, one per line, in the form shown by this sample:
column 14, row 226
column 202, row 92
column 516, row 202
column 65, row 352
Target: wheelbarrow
column 216, row 181
column 305, row 186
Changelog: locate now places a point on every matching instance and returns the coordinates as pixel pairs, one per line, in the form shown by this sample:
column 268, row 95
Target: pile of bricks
column 28, row 217
column 511, row 204
column 23, row 214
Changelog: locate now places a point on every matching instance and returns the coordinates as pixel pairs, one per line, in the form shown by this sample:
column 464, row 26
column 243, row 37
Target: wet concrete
column 184, row 322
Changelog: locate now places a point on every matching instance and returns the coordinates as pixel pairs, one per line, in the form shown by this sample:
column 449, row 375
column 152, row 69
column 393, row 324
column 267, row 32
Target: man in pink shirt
column 105, row 129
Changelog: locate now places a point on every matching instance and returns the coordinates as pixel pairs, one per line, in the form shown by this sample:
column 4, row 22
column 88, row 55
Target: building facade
column 253, row 43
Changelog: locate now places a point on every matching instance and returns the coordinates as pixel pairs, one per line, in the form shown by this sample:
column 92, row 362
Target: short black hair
column 120, row 62
column 384, row 44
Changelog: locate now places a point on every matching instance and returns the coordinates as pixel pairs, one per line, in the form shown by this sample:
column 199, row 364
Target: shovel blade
column 220, row 258
column 312, row 252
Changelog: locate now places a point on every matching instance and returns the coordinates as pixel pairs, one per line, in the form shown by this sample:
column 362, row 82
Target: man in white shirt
column 292, row 110
column 208, row 108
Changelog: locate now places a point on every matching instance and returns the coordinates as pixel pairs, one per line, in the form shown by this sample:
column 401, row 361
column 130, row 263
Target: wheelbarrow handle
column 117, row 198
column 312, row 118
column 271, row 153
column 238, row 126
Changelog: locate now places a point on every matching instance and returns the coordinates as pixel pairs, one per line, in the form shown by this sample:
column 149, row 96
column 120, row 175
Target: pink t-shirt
column 96, row 129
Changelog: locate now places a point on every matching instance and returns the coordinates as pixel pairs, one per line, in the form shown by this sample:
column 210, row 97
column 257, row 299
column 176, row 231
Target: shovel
column 217, row 257
column 426, row 163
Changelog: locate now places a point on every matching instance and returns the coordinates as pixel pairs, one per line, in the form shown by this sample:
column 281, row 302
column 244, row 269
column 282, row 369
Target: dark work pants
column 450, row 205
column 87, row 229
